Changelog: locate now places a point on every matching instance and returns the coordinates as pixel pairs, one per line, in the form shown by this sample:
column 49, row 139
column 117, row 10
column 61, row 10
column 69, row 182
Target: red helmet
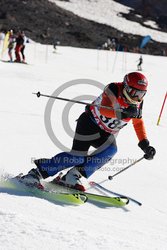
column 135, row 87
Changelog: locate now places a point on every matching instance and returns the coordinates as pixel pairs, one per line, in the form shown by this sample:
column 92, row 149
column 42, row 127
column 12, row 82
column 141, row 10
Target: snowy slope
column 31, row 223
column 108, row 12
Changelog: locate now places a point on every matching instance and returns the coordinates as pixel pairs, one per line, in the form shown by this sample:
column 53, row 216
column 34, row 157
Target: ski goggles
column 132, row 92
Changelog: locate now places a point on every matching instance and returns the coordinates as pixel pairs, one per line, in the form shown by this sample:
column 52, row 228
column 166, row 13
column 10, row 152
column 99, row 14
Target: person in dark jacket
column 19, row 46
column 140, row 61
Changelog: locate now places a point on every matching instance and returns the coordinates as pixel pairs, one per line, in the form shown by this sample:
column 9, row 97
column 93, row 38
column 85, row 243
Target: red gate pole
column 162, row 109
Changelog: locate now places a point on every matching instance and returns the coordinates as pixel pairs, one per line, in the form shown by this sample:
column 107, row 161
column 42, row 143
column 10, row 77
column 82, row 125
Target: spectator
column 140, row 63
column 23, row 46
column 11, row 45
column 2, row 36
column 107, row 45
column 19, row 46
column 113, row 44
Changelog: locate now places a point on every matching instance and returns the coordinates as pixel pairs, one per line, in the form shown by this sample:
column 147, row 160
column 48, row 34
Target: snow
column 108, row 12
column 32, row 223
column 151, row 24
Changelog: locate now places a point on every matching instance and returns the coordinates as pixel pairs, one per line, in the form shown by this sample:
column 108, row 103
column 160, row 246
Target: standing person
column 108, row 44
column 19, row 46
column 23, row 46
column 98, row 127
column 2, row 37
column 55, row 43
column 11, row 45
column 5, row 39
column 140, row 63
column 113, row 44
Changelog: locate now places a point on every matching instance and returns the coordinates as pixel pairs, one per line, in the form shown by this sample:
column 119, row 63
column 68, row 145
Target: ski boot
column 71, row 180
column 32, row 179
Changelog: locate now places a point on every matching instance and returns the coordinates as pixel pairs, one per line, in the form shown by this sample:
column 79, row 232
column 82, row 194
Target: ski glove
column 148, row 150
column 131, row 112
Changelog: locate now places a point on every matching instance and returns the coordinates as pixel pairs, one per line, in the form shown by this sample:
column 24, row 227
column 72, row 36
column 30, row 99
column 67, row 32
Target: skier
column 23, row 46
column 140, row 63
column 98, row 127
column 19, row 46
column 55, row 43
column 11, row 45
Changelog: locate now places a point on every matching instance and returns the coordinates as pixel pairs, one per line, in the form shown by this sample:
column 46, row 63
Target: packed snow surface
column 32, row 223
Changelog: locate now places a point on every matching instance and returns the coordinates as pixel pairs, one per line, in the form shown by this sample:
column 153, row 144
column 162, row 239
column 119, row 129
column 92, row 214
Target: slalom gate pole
column 110, row 177
column 162, row 109
column 115, row 59
column 98, row 55
column 107, row 51
column 38, row 94
column 46, row 54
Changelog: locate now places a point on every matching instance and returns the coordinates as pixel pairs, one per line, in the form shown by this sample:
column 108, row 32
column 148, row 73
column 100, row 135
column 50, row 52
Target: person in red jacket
column 19, row 46
column 98, row 126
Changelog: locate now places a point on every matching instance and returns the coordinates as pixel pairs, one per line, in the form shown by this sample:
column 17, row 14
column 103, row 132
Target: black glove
column 130, row 112
column 148, row 150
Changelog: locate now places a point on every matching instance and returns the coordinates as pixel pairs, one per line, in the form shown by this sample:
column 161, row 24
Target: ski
column 62, row 194
column 94, row 184
column 102, row 199
column 14, row 186
column 107, row 200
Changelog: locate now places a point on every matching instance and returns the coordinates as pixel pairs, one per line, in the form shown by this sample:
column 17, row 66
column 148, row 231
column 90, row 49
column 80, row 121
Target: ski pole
column 110, row 177
column 92, row 183
column 38, row 94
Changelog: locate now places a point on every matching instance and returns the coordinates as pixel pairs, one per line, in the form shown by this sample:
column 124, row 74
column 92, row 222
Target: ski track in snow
column 32, row 223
